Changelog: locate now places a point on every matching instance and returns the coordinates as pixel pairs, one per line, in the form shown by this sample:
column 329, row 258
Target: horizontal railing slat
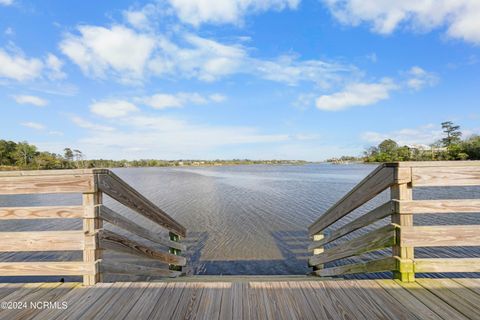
column 135, row 269
column 374, row 240
column 116, row 188
column 114, row 218
column 112, row 241
column 66, row 183
column 376, row 214
column 380, row 265
column 445, row 176
column 440, row 236
column 74, row 268
column 382, row 178
column 60, row 212
column 438, row 206
column 59, row 172
column 42, row 241
column 447, row 265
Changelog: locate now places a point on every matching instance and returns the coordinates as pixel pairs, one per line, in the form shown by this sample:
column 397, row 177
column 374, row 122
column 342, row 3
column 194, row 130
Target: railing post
column 176, row 238
column 319, row 250
column 91, row 223
column 402, row 191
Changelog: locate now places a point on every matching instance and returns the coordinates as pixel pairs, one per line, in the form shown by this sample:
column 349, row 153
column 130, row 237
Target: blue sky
column 205, row 79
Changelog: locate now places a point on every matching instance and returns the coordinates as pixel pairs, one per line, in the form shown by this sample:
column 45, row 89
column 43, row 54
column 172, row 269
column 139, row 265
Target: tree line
column 450, row 147
column 22, row 155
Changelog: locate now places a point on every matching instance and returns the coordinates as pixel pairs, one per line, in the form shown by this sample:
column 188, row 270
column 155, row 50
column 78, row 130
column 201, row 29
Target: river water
column 250, row 219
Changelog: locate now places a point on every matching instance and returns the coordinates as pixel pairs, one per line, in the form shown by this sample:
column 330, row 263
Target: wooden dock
column 250, row 299
column 159, row 240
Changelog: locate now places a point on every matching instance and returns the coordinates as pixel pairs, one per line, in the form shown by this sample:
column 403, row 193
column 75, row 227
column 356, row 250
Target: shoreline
column 189, row 165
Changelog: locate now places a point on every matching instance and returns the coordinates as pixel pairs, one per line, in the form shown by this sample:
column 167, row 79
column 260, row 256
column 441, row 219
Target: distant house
column 423, row 148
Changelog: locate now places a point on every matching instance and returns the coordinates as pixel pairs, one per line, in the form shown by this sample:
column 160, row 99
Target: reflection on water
column 249, row 219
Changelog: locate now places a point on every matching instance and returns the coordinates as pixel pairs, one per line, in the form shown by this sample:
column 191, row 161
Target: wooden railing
column 401, row 234
column 93, row 240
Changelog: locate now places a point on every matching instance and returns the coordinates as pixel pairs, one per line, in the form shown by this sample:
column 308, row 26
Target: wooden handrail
column 119, row 190
column 376, row 182
column 120, row 221
column 93, row 239
column 400, row 178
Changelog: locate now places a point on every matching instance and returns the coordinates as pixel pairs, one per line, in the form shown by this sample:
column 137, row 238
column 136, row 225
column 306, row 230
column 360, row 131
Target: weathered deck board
column 458, row 296
column 252, row 299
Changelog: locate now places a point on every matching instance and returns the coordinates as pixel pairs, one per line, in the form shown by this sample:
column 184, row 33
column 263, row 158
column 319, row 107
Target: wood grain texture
column 41, row 241
column 447, row 265
column 66, row 183
column 402, row 192
column 446, row 176
column 438, row 206
column 91, row 224
column 440, row 236
column 21, row 213
column 135, row 269
column 376, row 214
column 403, row 297
column 441, row 307
column 61, row 172
column 374, row 240
column 376, row 182
column 459, row 297
column 112, row 241
column 421, row 164
column 114, row 218
column 46, row 268
column 380, row 265
column 256, row 299
column 116, row 188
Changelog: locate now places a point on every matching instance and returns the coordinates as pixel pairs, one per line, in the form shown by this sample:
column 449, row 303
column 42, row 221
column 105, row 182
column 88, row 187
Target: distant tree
column 78, row 155
column 453, row 134
column 388, row 146
column 7, row 150
column 47, row 160
column 25, row 153
column 471, row 147
column 68, row 154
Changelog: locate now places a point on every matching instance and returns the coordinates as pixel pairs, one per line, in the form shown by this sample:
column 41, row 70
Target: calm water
column 248, row 219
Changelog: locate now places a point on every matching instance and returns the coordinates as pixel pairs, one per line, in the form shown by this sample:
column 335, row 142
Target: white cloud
column 55, row 65
column 18, row 67
column 291, row 70
column 169, row 138
column 164, row 100
column 113, row 108
column 356, row 94
column 209, row 60
column 460, row 17
column 119, row 49
column 33, row 125
column 145, row 17
column 130, row 56
column 55, row 133
column 204, row 59
column 418, row 78
column 6, row 2
column 304, row 101
column 85, row 124
column 137, row 19
column 28, row 99
column 217, row 97
column 423, row 135
column 9, row 31
column 196, row 12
